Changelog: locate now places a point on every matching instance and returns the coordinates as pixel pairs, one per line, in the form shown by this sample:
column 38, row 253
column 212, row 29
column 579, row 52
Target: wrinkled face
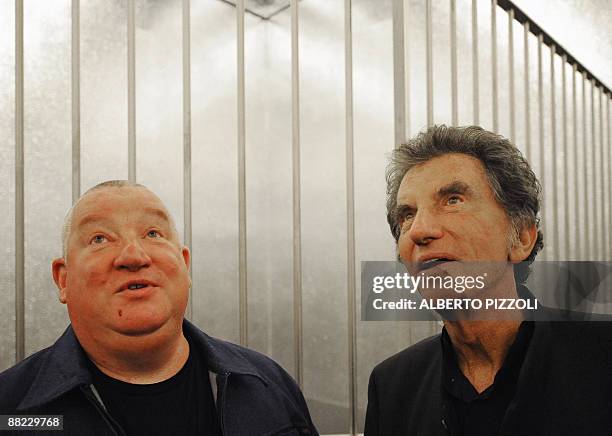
column 125, row 271
column 448, row 211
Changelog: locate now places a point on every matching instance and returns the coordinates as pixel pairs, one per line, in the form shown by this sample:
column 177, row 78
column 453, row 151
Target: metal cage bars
column 402, row 87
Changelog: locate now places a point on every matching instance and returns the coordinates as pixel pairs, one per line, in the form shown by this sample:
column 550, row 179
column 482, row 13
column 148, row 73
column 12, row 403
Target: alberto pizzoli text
column 457, row 304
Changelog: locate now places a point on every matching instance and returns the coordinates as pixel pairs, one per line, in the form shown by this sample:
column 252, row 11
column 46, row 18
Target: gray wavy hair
column 512, row 180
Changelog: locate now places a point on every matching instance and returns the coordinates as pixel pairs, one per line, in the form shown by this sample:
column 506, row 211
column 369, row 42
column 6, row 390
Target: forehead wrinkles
column 428, row 177
column 120, row 205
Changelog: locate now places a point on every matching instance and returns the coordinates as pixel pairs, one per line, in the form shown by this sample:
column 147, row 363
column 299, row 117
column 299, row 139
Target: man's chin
column 142, row 327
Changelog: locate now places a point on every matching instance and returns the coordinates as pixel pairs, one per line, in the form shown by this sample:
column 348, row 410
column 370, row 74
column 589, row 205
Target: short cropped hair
column 512, row 180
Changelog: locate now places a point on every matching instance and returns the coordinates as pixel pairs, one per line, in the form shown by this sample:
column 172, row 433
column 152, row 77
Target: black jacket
column 564, row 387
column 253, row 394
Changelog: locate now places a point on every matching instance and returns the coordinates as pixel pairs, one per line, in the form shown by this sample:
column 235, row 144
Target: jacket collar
column 222, row 357
column 66, row 366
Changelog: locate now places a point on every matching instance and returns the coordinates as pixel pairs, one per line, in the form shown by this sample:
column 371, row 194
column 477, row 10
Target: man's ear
column 58, row 267
column 524, row 244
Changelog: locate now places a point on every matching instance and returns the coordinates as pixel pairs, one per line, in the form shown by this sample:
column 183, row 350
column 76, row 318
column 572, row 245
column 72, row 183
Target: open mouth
column 430, row 263
column 136, row 286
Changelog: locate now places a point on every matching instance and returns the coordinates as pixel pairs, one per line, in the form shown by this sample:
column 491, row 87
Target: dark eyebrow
column 455, row 187
column 403, row 209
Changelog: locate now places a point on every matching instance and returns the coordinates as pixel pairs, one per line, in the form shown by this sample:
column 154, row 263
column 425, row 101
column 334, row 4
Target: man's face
column 448, row 210
column 125, row 272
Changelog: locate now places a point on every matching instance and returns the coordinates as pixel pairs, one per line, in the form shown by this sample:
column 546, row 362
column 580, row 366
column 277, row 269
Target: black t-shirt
column 481, row 414
column 181, row 405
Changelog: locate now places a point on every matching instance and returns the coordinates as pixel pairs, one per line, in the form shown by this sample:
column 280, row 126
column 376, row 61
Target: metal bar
column 453, row 48
column 187, row 227
column 241, row 131
column 576, row 207
column 475, row 96
column 566, row 171
column 429, row 63
column 527, row 86
column 399, row 89
column 407, row 117
column 19, row 188
column 594, row 176
column 541, row 131
column 297, row 236
column 494, row 65
column 587, row 245
column 511, row 73
column 131, row 69
column 76, row 102
column 521, row 17
column 609, row 178
column 604, row 229
column 350, row 218
column 554, row 148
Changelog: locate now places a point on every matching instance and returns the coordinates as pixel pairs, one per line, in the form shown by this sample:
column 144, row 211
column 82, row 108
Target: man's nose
column 132, row 257
column 425, row 227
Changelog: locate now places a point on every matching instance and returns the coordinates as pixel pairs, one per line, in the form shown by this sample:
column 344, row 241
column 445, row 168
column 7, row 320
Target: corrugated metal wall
column 267, row 137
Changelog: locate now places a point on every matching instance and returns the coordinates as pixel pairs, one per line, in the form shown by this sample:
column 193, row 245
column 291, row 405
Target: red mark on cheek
column 120, row 312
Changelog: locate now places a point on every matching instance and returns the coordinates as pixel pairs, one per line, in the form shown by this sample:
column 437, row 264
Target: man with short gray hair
column 130, row 363
column 466, row 196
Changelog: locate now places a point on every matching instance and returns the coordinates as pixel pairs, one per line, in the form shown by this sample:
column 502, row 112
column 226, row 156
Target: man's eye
column 406, row 221
column 98, row 239
column 455, row 199
column 153, row 234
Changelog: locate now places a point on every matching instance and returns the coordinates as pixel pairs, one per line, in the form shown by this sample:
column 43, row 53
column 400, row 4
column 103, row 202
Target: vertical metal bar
column 609, row 177
column 554, row 148
column 297, row 237
column 406, row 6
column 350, row 217
column 511, row 73
column 604, row 229
column 587, row 244
column 527, row 89
column 186, row 25
column 593, row 175
column 242, row 241
column 429, row 63
column 131, row 69
column 399, row 89
column 541, row 130
column 453, row 48
column 76, row 102
column 494, row 64
column 576, row 207
column 566, row 186
column 19, row 188
column 475, row 85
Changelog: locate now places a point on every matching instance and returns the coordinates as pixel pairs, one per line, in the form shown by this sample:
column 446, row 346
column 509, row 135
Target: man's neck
column 481, row 346
column 149, row 362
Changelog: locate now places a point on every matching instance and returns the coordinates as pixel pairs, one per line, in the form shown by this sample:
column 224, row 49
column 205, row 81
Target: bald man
column 129, row 363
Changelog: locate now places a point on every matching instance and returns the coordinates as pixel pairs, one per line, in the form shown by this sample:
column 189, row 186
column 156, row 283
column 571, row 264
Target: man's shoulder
column 228, row 357
column 260, row 361
column 416, row 359
column 16, row 381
